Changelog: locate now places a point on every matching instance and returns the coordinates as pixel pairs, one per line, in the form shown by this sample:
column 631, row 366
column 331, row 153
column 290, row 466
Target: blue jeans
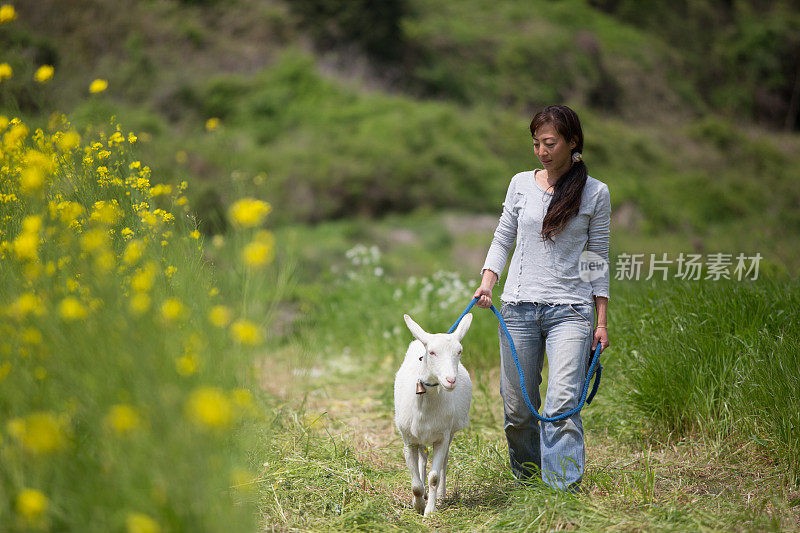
column 565, row 332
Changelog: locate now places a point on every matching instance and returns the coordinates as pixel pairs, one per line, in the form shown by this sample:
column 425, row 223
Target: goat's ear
column 419, row 333
column 463, row 326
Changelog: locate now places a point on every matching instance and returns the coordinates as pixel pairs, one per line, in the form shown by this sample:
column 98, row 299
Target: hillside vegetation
column 353, row 130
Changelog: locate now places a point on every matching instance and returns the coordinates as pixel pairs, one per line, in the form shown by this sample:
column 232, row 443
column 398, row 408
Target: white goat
column 432, row 394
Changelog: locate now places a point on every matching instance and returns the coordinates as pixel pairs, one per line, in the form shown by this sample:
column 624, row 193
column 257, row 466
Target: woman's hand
column 484, row 292
column 484, row 296
column 601, row 336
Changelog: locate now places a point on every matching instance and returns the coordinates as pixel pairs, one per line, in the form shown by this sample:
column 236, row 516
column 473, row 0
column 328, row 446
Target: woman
column 552, row 213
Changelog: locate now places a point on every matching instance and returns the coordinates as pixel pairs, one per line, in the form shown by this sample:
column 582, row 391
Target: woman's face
column 552, row 149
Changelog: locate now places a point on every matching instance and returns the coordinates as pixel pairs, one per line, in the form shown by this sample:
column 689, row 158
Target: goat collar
column 421, row 386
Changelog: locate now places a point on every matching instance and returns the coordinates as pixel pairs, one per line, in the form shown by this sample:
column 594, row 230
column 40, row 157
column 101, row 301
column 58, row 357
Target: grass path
column 634, row 481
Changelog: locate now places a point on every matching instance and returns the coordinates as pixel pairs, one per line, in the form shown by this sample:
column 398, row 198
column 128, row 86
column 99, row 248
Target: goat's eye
column 459, row 352
column 433, row 353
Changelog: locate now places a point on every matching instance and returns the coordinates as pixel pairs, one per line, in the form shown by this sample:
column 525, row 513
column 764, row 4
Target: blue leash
column 594, row 368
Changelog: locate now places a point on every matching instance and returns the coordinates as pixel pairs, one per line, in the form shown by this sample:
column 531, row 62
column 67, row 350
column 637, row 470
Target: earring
column 577, row 157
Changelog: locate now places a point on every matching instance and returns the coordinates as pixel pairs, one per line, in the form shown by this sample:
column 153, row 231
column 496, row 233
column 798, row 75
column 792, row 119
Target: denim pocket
column 584, row 311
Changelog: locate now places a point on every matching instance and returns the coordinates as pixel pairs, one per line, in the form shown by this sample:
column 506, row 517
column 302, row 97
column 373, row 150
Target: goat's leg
column 423, row 464
column 439, row 454
column 440, row 495
column 411, row 454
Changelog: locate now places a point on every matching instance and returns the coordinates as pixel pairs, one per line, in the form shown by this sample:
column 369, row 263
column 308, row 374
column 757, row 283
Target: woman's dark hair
column 566, row 199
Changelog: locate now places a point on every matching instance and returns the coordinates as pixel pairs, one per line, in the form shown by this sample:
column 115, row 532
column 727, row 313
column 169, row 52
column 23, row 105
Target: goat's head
column 442, row 350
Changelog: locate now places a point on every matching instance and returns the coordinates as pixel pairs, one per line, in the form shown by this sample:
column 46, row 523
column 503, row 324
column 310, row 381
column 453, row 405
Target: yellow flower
column 172, row 309
column 249, row 212
column 26, row 244
column 132, row 138
column 142, row 281
column 7, row 13
column 141, row 523
column 72, row 309
column 246, row 332
column 209, row 407
column 68, row 141
column 122, row 419
column 133, row 252
column 219, row 316
column 26, row 304
column 69, row 211
column 32, row 504
column 31, row 336
column 39, row 432
column 140, row 303
column 195, row 234
column 161, row 190
column 5, row 71
column 31, row 179
column 187, row 364
column 98, row 86
column 44, row 73
column 261, row 251
column 212, row 124
column 40, row 372
column 106, row 212
column 181, row 157
column 94, row 240
column 170, row 270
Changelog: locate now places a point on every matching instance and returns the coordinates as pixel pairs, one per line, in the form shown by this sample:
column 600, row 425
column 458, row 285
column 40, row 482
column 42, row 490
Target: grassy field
column 695, row 426
column 177, row 354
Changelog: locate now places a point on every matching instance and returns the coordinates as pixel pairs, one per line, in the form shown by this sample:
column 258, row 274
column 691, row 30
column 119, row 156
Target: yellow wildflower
column 209, row 407
column 71, row 308
column 5, row 370
column 32, row 504
column 142, row 281
column 161, row 190
column 127, row 233
column 106, row 212
column 249, row 212
column 68, row 141
column 40, row 372
column 5, row 71
column 7, row 13
column 133, row 252
column 94, row 240
column 260, row 251
column 195, row 234
column 172, row 309
column 141, row 523
column 140, row 303
column 170, row 270
column 132, row 138
column 122, row 419
column 26, row 244
column 181, row 157
column 98, row 86
column 116, row 138
column 212, row 124
column 219, row 316
column 44, row 73
column 31, row 179
column 39, row 432
column 187, row 364
column 246, row 332
column 27, row 304
column 69, row 211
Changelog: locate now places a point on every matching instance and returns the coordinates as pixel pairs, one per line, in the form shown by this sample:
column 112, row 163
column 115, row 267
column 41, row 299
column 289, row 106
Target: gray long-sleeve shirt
column 549, row 271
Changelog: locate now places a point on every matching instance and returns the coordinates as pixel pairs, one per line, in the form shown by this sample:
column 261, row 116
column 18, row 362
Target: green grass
column 338, row 457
